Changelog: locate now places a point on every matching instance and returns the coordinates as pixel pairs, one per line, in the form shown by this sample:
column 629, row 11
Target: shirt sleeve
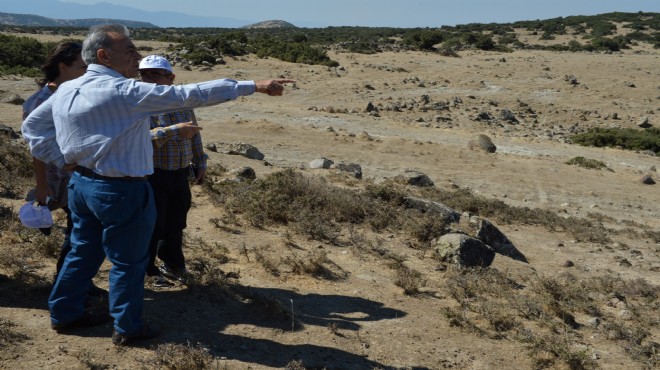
column 160, row 135
column 39, row 131
column 153, row 99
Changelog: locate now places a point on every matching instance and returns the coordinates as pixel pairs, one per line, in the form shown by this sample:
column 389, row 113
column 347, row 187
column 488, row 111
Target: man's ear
column 172, row 77
column 103, row 57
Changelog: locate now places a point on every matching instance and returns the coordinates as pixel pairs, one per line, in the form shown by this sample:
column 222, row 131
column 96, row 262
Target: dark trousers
column 172, row 197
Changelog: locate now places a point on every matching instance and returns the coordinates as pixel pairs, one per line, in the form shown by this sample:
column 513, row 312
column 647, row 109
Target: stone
column 463, row 250
column 321, row 163
column 482, row 142
column 415, row 178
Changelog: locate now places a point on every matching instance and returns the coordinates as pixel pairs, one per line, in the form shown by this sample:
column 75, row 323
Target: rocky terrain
column 493, row 125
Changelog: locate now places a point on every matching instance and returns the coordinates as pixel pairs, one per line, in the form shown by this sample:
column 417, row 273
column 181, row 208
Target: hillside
column 39, row 21
column 271, row 24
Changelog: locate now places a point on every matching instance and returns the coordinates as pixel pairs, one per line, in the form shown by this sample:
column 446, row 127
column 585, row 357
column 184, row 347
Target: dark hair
column 66, row 53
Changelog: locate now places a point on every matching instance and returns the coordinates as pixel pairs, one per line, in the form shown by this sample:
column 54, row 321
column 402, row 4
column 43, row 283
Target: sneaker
column 161, row 282
column 175, row 274
column 87, row 319
column 148, row 331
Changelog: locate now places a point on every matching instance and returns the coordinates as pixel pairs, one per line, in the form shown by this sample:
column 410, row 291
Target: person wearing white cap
column 177, row 147
column 98, row 123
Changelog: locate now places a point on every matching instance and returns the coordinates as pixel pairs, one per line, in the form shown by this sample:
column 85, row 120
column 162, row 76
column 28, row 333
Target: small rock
column 644, row 123
column 594, row 322
column 625, row 315
column 12, row 99
column 321, row 163
column 647, row 180
column 568, row 263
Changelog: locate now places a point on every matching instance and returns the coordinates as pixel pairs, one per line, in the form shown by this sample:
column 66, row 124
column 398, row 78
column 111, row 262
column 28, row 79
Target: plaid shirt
column 172, row 152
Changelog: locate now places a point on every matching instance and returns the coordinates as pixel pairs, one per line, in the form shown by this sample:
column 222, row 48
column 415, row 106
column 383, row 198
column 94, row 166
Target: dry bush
column 423, row 227
column 28, row 254
column 15, row 168
column 588, row 163
column 182, row 357
column 321, row 211
column 313, row 207
column 550, row 303
column 295, row 365
column 86, row 358
column 269, row 264
column 215, row 251
column 463, row 200
column 409, row 279
column 9, row 337
column 546, row 350
column 316, row 264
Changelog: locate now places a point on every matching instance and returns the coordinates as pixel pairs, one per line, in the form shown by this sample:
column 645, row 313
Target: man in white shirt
column 98, row 123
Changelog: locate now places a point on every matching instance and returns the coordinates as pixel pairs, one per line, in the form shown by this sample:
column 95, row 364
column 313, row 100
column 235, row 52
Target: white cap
column 155, row 61
column 35, row 216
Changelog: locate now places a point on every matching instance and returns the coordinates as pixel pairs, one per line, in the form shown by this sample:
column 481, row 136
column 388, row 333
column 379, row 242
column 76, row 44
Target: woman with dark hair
column 63, row 63
column 73, row 66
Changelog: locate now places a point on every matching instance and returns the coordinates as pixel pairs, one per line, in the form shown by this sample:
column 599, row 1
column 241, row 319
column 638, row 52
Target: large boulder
column 492, row 236
column 246, row 150
column 482, row 142
column 463, row 250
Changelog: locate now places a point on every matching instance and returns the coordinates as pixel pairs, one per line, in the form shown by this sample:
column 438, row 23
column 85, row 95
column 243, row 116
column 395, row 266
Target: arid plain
column 364, row 320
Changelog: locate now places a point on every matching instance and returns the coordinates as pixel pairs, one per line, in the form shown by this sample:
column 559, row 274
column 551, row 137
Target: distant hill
column 64, row 9
column 39, row 21
column 271, row 24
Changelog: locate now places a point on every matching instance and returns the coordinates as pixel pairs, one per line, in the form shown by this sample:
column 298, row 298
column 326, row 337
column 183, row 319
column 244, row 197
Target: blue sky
column 377, row 13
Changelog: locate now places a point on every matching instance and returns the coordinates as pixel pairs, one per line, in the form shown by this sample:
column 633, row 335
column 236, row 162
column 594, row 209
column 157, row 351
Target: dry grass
column 182, row 357
column 543, row 313
column 9, row 336
column 15, row 167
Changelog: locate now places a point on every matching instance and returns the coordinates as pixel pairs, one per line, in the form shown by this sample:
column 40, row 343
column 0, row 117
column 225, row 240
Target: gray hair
column 98, row 38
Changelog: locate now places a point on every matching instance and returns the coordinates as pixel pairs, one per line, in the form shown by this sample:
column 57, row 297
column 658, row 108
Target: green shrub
column 626, row 138
column 587, row 163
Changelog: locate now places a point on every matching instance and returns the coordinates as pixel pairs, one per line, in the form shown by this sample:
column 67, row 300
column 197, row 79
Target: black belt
column 86, row 172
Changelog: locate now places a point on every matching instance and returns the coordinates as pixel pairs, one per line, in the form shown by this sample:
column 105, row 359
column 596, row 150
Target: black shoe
column 161, row 282
column 181, row 274
column 87, row 319
column 148, row 331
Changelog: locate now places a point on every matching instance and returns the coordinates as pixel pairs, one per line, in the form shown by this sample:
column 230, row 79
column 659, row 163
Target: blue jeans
column 113, row 219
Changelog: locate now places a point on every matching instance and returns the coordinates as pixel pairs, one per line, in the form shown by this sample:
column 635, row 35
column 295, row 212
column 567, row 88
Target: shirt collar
column 100, row 68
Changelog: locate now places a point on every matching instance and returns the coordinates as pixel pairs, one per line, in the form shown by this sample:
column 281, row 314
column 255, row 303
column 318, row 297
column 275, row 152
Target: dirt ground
column 365, row 321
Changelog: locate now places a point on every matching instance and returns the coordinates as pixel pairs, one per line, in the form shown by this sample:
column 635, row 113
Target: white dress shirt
column 99, row 120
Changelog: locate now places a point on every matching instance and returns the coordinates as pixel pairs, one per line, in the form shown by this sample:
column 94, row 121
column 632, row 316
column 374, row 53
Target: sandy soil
column 323, row 115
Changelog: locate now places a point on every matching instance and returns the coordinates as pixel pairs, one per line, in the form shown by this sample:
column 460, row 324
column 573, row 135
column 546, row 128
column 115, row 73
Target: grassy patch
column 592, row 164
column 542, row 313
column 626, row 138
